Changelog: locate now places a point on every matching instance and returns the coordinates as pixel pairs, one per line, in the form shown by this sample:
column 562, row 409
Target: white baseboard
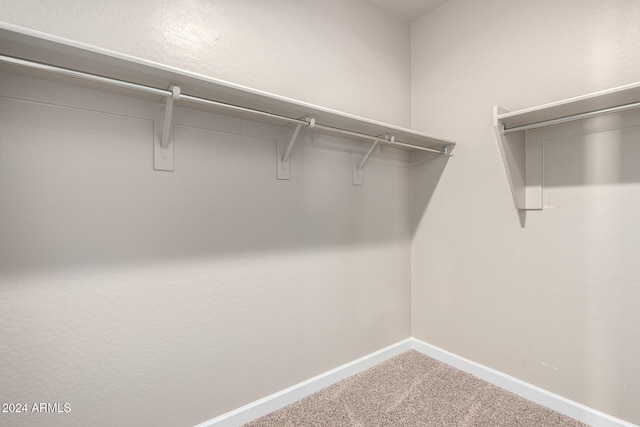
column 296, row 392
column 531, row 392
column 536, row 394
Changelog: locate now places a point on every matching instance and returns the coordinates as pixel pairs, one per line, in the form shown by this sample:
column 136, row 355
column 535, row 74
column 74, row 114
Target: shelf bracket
column 523, row 165
column 163, row 148
column 282, row 164
column 285, row 157
column 357, row 167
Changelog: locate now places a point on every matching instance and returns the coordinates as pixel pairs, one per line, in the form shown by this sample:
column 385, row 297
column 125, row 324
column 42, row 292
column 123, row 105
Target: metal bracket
column 292, row 141
column 357, row 173
column 282, row 162
column 163, row 147
column 357, row 168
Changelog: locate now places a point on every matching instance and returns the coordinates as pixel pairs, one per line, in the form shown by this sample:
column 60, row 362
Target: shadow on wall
column 426, row 172
column 607, row 157
column 591, row 197
column 78, row 190
column 595, row 152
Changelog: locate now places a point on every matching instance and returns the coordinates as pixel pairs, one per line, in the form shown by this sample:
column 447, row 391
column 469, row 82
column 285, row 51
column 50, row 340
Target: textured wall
column 156, row 298
column 351, row 56
column 553, row 303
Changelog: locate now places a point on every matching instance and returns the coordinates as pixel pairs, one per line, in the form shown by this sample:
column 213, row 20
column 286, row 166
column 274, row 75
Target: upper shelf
column 37, row 47
column 597, row 103
column 523, row 159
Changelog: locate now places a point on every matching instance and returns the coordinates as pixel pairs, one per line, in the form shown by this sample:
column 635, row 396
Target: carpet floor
column 414, row 390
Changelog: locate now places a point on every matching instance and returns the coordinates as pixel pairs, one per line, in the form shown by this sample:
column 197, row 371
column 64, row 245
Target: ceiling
column 409, row 10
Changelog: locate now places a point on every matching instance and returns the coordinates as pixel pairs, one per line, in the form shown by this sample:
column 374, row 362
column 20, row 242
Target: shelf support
column 282, row 166
column 366, row 157
column 163, row 148
column 523, row 165
column 357, row 168
column 292, row 141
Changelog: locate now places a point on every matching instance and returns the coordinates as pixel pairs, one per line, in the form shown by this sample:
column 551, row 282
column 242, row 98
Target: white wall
column 351, row 56
column 157, row 298
column 169, row 298
column 553, row 303
column 143, row 297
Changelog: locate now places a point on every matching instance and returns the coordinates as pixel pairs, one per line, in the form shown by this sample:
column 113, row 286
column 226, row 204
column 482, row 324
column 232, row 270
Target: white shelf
column 619, row 98
column 37, row 47
column 523, row 160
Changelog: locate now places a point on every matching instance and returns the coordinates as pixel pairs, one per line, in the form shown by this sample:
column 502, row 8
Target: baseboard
column 531, row 392
column 296, row 392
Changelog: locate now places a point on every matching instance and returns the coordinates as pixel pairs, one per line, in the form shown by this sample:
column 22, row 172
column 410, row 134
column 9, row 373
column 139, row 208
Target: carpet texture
column 414, row 390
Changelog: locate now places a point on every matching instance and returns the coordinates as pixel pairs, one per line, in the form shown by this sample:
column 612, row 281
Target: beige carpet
column 414, row 390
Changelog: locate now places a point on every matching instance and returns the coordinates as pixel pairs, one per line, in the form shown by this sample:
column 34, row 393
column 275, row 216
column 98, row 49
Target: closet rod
column 85, row 76
column 232, row 107
column 377, row 138
column 195, row 99
column 566, row 119
column 138, row 87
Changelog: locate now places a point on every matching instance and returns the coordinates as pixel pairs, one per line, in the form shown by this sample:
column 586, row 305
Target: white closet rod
column 85, row 76
column 380, row 139
column 232, row 107
column 566, row 119
column 195, row 99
